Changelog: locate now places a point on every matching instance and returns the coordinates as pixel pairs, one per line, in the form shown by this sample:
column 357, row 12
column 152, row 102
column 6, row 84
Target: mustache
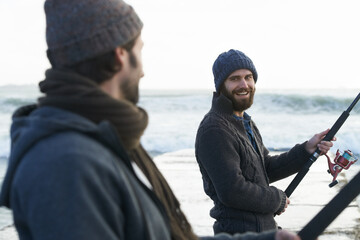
column 241, row 90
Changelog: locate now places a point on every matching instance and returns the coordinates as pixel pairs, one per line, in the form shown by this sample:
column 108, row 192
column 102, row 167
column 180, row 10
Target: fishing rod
column 329, row 136
column 333, row 209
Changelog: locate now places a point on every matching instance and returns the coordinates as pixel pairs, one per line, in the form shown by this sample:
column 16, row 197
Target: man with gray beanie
column 76, row 168
column 236, row 167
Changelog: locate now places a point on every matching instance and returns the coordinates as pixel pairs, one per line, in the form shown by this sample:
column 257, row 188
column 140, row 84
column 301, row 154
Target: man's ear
column 120, row 54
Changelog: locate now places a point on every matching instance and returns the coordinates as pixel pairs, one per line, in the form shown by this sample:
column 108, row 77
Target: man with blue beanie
column 235, row 165
column 77, row 169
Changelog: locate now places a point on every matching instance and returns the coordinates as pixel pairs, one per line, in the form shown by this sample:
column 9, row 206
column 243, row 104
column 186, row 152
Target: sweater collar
column 221, row 104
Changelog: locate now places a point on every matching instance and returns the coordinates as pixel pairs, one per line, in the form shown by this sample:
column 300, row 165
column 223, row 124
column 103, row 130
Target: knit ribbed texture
column 83, row 29
column 228, row 62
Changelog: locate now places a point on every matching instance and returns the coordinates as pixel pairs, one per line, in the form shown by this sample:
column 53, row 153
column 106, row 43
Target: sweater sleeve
column 286, row 164
column 218, row 154
column 67, row 199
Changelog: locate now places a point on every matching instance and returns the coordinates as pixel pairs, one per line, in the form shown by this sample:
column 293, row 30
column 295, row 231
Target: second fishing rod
column 329, row 136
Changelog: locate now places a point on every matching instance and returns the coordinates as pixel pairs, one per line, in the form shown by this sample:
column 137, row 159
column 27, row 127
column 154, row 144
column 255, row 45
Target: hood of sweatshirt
column 31, row 124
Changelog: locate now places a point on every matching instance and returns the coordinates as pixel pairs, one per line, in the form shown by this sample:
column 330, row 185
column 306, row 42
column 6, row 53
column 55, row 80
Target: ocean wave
column 293, row 102
column 303, row 104
column 283, row 117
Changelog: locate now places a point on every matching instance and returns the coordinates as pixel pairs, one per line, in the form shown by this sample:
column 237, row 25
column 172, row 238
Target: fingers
column 323, row 133
column 285, row 235
column 325, row 146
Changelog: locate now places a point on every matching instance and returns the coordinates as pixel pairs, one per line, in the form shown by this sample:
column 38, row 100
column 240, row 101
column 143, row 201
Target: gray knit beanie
column 228, row 62
column 77, row 30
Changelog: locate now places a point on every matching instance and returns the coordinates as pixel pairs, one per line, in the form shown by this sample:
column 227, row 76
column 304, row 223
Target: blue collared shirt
column 246, row 120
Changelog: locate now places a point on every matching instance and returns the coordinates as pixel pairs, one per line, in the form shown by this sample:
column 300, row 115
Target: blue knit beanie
column 77, row 30
column 227, row 63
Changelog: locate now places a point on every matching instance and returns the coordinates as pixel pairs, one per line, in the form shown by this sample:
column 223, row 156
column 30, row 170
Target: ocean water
column 284, row 117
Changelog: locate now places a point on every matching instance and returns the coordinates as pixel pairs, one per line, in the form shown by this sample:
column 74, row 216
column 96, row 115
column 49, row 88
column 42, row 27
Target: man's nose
column 242, row 83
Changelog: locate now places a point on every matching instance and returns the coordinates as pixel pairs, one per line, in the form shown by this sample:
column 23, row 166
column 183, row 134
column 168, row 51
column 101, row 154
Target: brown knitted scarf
column 80, row 95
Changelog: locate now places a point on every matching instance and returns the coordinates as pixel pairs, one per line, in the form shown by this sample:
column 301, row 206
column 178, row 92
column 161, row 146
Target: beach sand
column 182, row 172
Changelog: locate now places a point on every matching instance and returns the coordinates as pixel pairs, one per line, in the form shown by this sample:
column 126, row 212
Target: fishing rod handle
column 301, row 174
column 353, row 103
column 337, row 125
column 340, row 121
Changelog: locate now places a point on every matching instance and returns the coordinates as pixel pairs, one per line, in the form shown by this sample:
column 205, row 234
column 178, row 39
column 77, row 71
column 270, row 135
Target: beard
column 131, row 91
column 239, row 104
column 130, row 87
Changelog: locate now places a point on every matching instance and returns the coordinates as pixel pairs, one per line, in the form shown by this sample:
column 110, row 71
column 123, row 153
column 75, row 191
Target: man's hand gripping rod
column 295, row 182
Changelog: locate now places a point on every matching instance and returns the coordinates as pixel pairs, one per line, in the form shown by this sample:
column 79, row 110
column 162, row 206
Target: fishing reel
column 341, row 161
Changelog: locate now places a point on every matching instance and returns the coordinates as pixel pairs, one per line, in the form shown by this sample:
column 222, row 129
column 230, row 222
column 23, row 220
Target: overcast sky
column 294, row 44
